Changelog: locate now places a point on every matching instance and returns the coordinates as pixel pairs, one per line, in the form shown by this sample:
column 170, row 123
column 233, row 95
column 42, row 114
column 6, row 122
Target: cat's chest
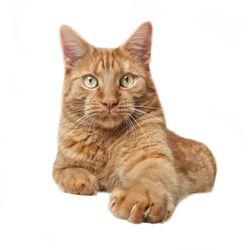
column 88, row 150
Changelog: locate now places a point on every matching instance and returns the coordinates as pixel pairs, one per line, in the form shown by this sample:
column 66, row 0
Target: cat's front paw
column 141, row 204
column 78, row 181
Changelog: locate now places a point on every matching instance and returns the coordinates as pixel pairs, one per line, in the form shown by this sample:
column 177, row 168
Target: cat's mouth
column 110, row 115
column 110, row 119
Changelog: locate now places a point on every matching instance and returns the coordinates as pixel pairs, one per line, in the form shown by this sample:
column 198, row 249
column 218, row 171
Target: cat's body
column 113, row 135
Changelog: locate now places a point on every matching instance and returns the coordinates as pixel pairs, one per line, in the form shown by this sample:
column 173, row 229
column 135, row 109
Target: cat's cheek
column 138, row 90
column 74, row 91
column 139, row 93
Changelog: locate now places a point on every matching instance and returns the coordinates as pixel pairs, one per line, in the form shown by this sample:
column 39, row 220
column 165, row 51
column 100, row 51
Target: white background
column 200, row 64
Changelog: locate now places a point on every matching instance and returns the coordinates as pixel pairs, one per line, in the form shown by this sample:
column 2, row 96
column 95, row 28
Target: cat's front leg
column 75, row 180
column 149, row 193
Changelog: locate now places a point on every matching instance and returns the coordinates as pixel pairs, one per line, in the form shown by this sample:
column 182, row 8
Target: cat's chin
column 109, row 123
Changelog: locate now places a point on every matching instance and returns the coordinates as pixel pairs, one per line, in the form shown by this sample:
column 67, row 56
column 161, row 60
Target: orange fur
column 114, row 138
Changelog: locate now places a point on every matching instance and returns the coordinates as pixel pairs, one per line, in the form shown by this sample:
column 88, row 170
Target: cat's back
column 194, row 161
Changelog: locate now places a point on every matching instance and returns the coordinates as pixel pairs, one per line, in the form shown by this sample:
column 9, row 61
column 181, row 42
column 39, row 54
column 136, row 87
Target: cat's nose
column 109, row 104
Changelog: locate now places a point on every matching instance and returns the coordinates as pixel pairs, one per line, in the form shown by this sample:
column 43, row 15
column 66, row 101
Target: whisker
column 145, row 136
column 130, row 127
column 148, row 114
column 79, row 122
column 68, row 131
column 137, row 106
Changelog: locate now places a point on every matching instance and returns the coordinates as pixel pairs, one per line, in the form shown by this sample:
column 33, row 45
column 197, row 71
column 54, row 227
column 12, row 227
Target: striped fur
column 127, row 151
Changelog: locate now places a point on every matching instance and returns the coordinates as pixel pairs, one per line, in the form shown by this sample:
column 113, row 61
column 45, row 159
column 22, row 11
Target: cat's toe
column 139, row 204
column 79, row 182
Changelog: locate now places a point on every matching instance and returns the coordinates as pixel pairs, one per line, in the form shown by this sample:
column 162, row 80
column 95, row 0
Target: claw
column 112, row 203
column 133, row 208
column 146, row 213
column 168, row 215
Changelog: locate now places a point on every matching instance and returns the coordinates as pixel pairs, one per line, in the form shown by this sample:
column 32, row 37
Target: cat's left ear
column 73, row 46
column 139, row 44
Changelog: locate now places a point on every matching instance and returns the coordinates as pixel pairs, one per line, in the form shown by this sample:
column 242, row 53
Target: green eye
column 127, row 80
column 90, row 82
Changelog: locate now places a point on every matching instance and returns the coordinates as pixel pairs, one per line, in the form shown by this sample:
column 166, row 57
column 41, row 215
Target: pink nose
column 109, row 104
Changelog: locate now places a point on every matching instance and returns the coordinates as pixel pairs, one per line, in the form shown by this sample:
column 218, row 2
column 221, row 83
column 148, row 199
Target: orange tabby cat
column 113, row 135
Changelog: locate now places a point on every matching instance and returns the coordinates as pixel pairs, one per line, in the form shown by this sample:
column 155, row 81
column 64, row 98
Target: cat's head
column 106, row 86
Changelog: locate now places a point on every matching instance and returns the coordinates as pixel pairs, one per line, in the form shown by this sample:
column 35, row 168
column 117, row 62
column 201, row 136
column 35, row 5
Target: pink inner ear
column 70, row 54
column 73, row 45
column 139, row 43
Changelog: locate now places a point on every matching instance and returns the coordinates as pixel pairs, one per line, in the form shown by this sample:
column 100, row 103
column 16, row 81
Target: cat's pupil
column 90, row 79
column 126, row 79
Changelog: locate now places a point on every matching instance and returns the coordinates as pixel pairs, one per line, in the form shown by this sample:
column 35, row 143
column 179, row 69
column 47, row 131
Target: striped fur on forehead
column 108, row 60
column 116, row 61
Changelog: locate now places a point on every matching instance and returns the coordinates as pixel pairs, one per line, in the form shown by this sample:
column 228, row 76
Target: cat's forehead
column 107, row 61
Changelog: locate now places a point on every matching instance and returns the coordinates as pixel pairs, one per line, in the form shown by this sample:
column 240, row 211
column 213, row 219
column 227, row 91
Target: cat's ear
column 139, row 44
column 73, row 46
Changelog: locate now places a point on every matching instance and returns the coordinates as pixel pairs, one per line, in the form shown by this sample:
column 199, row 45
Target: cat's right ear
column 139, row 44
column 73, row 46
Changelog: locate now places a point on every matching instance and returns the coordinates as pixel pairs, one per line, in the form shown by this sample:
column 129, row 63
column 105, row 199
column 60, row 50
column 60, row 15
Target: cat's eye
column 127, row 80
column 90, row 82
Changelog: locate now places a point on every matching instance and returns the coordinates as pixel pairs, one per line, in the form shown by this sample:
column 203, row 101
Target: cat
column 113, row 135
